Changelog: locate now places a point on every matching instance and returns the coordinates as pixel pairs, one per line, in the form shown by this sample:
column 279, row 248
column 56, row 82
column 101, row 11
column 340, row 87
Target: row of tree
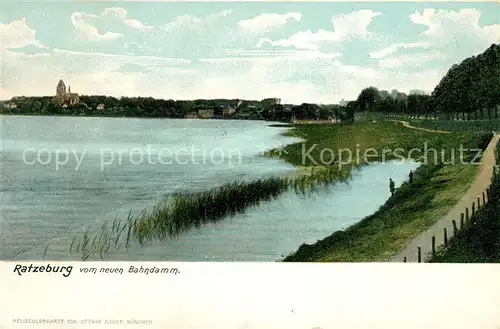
column 373, row 100
column 305, row 111
column 471, row 86
column 265, row 109
column 470, row 90
column 112, row 106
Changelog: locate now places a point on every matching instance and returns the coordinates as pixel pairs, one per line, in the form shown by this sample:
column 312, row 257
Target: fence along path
column 444, row 228
column 407, row 125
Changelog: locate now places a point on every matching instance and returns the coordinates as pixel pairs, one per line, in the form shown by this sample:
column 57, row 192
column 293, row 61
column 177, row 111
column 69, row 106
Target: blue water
column 61, row 175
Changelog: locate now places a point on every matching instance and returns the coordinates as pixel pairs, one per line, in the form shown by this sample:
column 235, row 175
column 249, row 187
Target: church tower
column 61, row 89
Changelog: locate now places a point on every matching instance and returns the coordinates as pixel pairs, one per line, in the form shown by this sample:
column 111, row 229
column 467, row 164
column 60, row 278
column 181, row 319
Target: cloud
column 154, row 67
column 114, row 20
column 188, row 22
column 456, row 33
column 18, row 35
column 185, row 35
column 87, row 31
column 448, row 26
column 132, row 68
column 345, row 27
column 303, row 40
column 354, row 24
column 411, row 59
column 119, row 15
column 32, row 50
column 272, row 56
column 396, row 46
column 267, row 22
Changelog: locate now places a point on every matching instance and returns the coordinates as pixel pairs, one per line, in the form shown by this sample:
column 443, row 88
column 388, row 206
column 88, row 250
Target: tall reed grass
column 183, row 211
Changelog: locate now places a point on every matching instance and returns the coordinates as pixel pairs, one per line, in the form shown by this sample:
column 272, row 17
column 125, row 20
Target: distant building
column 65, row 98
column 417, row 92
column 227, row 112
column 206, row 114
column 343, row 102
column 192, row 115
column 272, row 101
column 10, row 105
column 100, row 107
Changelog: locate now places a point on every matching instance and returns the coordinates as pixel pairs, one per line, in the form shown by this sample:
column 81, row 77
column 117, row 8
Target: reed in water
column 183, row 211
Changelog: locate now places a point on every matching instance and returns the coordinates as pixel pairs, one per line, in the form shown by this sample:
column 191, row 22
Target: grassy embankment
column 479, row 242
column 458, row 125
column 413, row 209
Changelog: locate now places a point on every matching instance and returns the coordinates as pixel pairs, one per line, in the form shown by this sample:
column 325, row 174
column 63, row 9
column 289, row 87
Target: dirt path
column 482, row 182
column 407, row 125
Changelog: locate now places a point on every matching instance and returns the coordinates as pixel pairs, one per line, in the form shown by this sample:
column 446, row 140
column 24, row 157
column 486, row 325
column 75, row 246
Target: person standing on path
column 391, row 186
column 410, row 176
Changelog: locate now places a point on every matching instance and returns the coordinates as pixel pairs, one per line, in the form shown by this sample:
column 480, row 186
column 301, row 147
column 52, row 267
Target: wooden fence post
column 473, row 208
column 445, row 236
column 461, row 220
column 466, row 215
column 478, row 203
column 488, row 195
column 419, row 250
column 455, row 229
column 433, row 245
column 484, row 199
column 404, row 260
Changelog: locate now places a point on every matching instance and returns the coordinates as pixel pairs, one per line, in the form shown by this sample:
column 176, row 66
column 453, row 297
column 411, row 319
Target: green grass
column 383, row 137
column 412, row 210
column 479, row 242
column 458, row 126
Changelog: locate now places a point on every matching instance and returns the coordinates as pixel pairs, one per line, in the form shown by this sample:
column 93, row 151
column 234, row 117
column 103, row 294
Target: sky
column 298, row 51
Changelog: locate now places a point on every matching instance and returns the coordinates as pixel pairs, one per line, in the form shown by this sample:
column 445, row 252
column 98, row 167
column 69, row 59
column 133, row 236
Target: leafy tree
column 369, row 99
column 471, row 87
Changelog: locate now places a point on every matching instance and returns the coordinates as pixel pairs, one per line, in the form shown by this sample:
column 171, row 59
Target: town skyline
column 299, row 52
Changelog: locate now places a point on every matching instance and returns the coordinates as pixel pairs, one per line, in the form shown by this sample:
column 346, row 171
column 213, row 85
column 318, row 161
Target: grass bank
column 411, row 211
column 479, row 242
column 458, row 125
column 364, row 142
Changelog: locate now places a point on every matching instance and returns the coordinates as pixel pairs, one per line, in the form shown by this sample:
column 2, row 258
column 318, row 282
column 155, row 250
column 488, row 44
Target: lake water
column 61, row 175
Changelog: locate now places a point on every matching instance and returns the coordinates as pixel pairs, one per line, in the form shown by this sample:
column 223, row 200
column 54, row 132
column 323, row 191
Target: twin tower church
column 64, row 97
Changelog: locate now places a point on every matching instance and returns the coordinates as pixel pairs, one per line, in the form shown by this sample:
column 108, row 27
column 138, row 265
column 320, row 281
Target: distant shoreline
column 138, row 117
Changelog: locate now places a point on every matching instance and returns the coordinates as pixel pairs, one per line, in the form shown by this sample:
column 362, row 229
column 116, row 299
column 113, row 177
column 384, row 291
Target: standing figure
column 391, row 186
column 410, row 176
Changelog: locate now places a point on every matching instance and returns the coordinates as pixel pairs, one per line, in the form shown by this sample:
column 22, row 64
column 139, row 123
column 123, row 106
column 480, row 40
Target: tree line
column 469, row 90
column 149, row 107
